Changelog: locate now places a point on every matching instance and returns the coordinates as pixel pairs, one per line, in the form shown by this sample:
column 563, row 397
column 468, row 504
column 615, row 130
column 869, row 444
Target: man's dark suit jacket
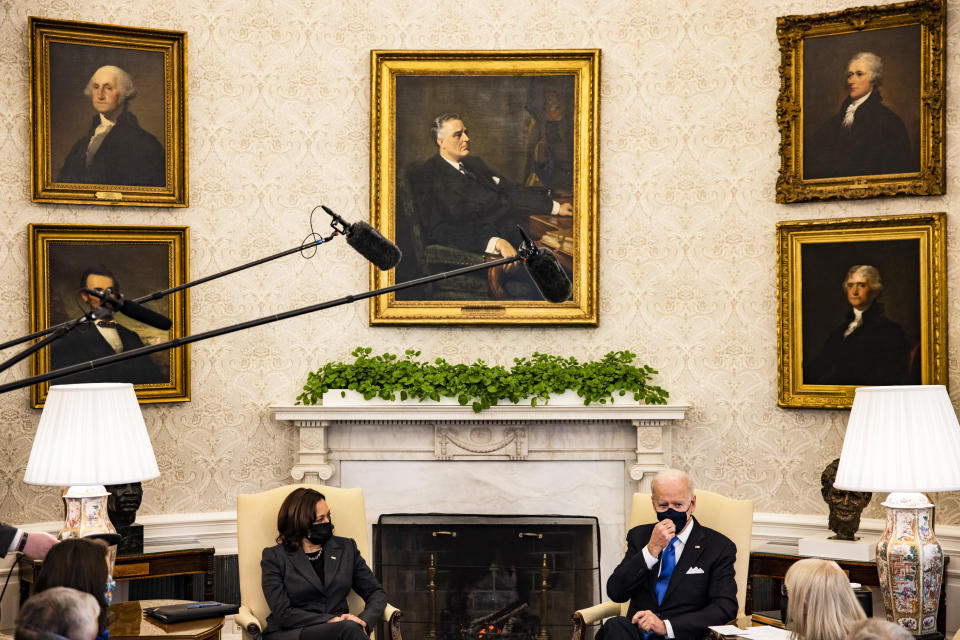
column 702, row 589
column 465, row 212
column 128, row 155
column 85, row 343
column 298, row 599
column 876, row 143
column 876, row 353
column 6, row 537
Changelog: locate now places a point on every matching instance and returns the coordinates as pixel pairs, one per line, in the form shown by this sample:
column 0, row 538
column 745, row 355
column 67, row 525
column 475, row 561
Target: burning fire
column 489, row 630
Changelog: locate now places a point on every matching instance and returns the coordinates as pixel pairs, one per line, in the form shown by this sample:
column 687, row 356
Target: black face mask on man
column 679, row 518
column 320, row 532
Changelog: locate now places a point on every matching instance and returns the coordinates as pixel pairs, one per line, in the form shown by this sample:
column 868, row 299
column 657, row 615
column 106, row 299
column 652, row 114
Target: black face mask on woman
column 320, row 532
column 679, row 518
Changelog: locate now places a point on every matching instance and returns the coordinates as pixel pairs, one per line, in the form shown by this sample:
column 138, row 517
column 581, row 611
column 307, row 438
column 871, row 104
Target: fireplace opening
column 472, row 577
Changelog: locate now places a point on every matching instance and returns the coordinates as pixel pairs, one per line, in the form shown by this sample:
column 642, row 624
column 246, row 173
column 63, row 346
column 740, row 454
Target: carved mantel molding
column 640, row 435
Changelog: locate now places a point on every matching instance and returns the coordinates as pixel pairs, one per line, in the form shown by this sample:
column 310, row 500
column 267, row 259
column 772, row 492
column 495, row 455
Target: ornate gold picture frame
column 531, row 121
column 862, row 103
column 108, row 111
column 139, row 261
column 861, row 302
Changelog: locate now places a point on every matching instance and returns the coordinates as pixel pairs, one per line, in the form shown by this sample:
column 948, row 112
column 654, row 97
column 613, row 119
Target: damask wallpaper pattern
column 279, row 122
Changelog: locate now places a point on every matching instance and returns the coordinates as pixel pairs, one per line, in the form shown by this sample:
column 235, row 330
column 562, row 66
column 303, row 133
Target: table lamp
column 90, row 435
column 904, row 440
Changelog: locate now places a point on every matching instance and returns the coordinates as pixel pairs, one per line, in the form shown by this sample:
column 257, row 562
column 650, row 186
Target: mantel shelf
column 423, row 412
column 639, row 435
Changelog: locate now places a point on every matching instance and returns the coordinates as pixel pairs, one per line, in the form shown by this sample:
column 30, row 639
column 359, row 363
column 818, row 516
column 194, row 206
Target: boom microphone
column 116, row 302
column 373, row 246
column 546, row 272
column 368, row 242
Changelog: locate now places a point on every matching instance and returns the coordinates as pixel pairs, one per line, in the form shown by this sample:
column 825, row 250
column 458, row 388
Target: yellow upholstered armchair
column 733, row 518
column 257, row 529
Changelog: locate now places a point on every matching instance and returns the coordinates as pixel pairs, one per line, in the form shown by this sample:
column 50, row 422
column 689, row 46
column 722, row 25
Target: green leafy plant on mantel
column 535, row 378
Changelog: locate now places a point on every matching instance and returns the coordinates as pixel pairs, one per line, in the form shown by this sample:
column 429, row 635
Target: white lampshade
column 91, row 434
column 901, row 438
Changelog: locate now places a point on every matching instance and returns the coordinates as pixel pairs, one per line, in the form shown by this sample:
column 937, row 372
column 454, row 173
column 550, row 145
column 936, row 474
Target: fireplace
column 508, row 460
column 472, row 577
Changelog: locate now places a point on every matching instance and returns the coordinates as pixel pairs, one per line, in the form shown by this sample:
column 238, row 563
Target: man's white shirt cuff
column 491, row 245
column 669, row 627
column 16, row 540
column 650, row 559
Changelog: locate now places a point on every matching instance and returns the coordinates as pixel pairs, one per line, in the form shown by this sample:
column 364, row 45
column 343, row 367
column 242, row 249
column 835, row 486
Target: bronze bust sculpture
column 122, row 505
column 845, row 506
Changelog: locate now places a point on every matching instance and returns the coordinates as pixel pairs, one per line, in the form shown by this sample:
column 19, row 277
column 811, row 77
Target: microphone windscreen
column 549, row 276
column 373, row 246
column 145, row 315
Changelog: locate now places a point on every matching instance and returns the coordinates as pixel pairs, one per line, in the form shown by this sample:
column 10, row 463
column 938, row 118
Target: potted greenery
column 536, row 378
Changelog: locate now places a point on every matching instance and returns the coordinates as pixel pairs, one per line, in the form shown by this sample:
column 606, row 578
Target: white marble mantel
column 639, row 435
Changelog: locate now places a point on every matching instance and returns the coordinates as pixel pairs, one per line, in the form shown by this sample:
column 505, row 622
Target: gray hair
column 867, row 271
column 124, row 83
column 437, row 127
column 671, row 475
column 874, row 62
column 878, row 629
column 58, row 612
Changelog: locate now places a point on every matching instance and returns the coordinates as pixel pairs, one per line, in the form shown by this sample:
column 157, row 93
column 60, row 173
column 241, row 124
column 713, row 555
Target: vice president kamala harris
column 309, row 572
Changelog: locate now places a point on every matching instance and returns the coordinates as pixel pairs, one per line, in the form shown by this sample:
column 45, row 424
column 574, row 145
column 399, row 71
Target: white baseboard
column 219, row 530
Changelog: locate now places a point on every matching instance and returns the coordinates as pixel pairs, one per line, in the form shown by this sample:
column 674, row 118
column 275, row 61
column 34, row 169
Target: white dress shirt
column 855, row 323
column 852, row 109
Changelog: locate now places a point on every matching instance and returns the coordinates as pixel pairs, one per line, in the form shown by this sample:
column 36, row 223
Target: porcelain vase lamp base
column 910, row 563
column 86, row 508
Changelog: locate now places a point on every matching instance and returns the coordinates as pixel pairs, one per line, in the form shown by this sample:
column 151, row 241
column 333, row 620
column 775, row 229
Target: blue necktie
column 667, row 562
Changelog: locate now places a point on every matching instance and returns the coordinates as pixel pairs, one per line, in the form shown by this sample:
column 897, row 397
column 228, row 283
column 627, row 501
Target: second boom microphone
column 131, row 309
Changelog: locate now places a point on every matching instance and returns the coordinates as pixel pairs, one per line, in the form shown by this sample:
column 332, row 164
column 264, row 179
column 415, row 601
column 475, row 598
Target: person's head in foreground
column 58, row 613
column 821, row 605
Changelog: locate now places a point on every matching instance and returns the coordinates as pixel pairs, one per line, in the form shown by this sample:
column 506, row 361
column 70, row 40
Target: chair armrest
column 598, row 612
column 392, row 617
column 389, row 611
column 248, row 622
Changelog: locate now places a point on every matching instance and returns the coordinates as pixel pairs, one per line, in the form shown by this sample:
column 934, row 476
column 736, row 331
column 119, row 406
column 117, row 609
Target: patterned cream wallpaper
column 279, row 122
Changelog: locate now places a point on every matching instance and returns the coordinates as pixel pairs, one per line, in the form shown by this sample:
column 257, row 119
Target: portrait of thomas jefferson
column 114, row 149
column 866, row 348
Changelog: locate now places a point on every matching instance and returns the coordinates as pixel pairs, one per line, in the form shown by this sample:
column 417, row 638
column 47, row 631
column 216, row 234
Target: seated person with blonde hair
column 821, row 605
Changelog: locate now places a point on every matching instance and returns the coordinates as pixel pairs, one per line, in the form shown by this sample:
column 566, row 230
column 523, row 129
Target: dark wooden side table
column 130, row 623
column 159, row 563
column 764, row 564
